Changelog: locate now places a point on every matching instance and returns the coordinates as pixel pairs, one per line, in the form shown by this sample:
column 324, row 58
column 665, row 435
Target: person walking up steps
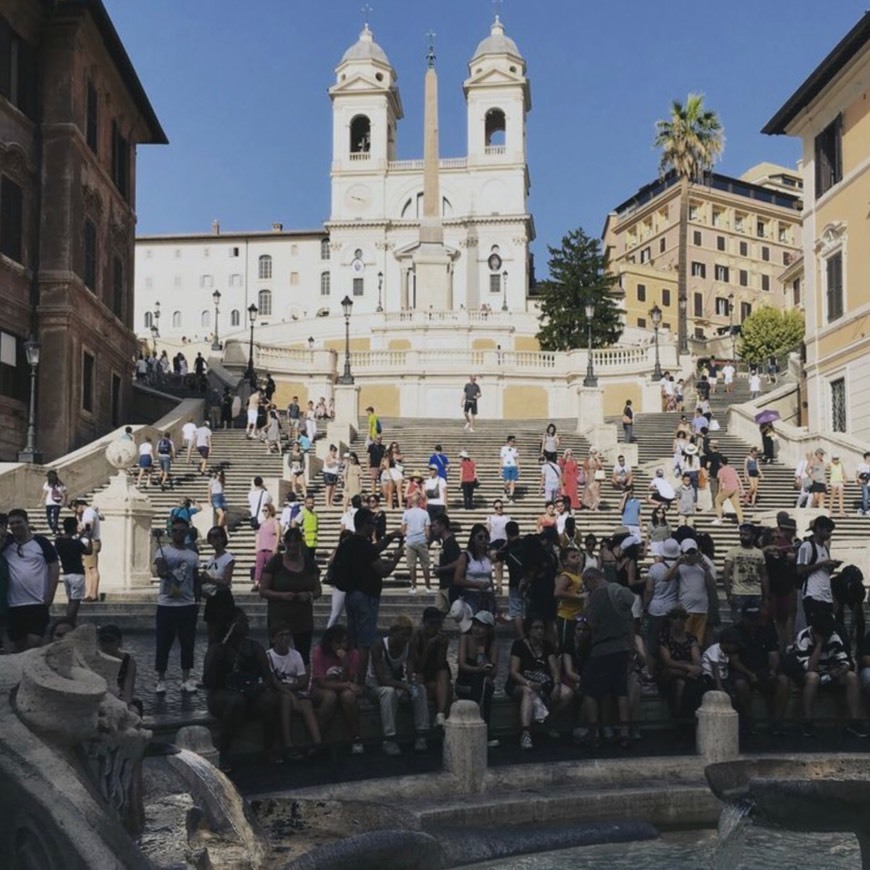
column 510, row 466
column 470, row 396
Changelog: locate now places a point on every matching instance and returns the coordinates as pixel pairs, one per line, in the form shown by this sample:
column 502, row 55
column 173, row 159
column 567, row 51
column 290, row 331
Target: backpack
column 164, row 446
column 57, row 494
column 378, row 428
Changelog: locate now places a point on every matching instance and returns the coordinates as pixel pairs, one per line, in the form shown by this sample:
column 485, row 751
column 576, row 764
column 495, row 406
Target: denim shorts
column 510, row 472
column 516, row 604
column 362, row 618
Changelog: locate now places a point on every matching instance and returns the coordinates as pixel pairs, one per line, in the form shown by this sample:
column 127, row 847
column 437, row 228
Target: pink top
column 728, row 478
column 328, row 666
column 267, row 535
column 467, row 471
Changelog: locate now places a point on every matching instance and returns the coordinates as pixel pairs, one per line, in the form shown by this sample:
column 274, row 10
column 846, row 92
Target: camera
column 157, row 533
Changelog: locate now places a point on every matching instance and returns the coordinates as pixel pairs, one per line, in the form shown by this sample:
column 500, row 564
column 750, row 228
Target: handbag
column 599, row 474
column 255, row 518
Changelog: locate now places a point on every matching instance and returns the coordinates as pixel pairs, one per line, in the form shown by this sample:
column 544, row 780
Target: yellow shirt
column 570, row 608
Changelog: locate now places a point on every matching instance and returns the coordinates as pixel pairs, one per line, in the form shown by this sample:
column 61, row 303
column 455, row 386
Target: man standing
column 470, row 395
column 71, row 547
column 258, row 498
column 293, row 416
column 435, row 489
column 728, row 376
column 34, row 571
column 697, row 583
column 863, row 478
column 253, row 410
column 89, row 527
column 415, row 529
column 360, row 570
column 510, row 466
column 447, row 559
column 376, row 450
column 712, row 462
column 165, row 456
column 203, row 446
column 815, row 567
column 745, row 573
column 373, row 425
column 628, row 423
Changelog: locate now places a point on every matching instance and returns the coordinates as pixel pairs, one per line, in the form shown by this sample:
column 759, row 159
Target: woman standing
column 216, row 576
column 352, row 478
column 837, row 483
column 310, row 423
column 55, row 498
column 752, row 476
column 550, row 444
column 594, row 470
column 331, row 472
column 767, row 446
column 478, row 664
column 473, row 575
column 273, row 430
column 291, row 584
column 387, row 485
column 570, row 473
column 397, row 471
column 658, row 530
column 467, row 479
column 267, row 540
column 216, row 497
column 691, row 464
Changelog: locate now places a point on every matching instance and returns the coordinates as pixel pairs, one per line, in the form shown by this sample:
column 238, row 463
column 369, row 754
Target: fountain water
column 736, row 817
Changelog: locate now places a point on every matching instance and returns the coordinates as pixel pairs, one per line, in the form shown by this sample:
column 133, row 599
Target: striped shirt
column 833, row 655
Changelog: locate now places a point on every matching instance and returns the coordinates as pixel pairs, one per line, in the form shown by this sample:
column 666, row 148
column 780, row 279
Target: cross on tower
column 366, row 13
column 496, row 8
column 430, row 55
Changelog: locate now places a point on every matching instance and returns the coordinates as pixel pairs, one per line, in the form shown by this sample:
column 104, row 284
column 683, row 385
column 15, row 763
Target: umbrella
column 768, row 416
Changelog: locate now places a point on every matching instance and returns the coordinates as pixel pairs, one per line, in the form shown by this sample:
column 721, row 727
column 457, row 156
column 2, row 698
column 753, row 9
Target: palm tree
column 691, row 140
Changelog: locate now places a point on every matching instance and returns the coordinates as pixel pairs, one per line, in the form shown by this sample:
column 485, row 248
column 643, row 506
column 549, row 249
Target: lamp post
column 156, row 318
column 311, row 343
column 380, row 291
column 683, row 343
column 347, row 308
column 252, row 316
column 504, row 291
column 216, row 297
column 30, row 453
column 731, row 326
column 590, row 380
column 155, row 334
column 656, row 317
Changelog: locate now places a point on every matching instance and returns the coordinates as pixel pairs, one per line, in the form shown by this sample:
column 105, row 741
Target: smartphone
column 157, row 533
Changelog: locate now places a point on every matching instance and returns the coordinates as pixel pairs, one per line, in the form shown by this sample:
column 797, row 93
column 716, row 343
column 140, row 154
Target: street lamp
column 380, row 289
column 683, row 343
column 347, row 308
column 156, row 318
column 590, row 380
column 252, row 316
column 30, row 453
column 216, row 297
column 731, row 326
column 656, row 317
column 311, row 343
column 504, row 291
column 155, row 334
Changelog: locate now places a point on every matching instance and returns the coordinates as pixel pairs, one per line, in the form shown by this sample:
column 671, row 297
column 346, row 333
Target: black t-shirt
column 713, row 462
column 532, row 666
column 627, row 412
column 755, row 646
column 70, row 552
column 353, row 565
column 376, row 453
column 781, row 575
column 450, row 552
column 703, row 389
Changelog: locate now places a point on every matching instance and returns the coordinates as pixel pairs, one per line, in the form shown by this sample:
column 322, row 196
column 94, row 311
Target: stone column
column 465, row 746
column 125, row 530
column 717, row 737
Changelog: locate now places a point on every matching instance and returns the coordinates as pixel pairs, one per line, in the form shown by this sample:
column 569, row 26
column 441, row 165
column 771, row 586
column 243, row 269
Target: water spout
column 735, row 819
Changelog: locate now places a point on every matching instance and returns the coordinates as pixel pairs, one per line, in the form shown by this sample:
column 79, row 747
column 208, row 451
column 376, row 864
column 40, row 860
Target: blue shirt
column 440, row 461
column 631, row 512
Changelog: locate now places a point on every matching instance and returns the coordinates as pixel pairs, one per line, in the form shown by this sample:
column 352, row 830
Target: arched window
column 176, row 320
column 325, row 283
column 495, row 125
column 360, row 135
column 149, row 320
column 264, row 303
column 235, row 317
column 205, row 319
column 265, row 272
column 324, row 249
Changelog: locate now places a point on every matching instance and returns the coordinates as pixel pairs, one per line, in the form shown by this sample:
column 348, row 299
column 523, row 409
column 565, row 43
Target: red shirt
column 728, row 478
column 467, row 471
column 328, row 666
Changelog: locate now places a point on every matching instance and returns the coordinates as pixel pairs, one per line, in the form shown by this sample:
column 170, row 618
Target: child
column 658, row 530
column 686, row 499
column 716, row 659
column 70, row 549
column 293, row 677
column 630, row 507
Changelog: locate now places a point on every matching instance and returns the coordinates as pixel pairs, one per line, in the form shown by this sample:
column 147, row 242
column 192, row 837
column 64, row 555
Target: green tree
column 770, row 332
column 578, row 276
column 691, row 140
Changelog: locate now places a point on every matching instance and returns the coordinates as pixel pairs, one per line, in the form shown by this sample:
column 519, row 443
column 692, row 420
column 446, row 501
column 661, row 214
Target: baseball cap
column 785, row 520
column 670, row 550
column 689, row 544
column 746, row 527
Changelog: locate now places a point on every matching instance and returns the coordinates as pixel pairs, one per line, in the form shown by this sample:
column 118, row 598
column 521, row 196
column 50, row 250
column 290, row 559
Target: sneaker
column 439, row 720
column 526, row 741
column 412, row 590
column 492, row 744
column 857, row 729
column 716, row 522
column 390, row 747
column 189, row 686
column 420, row 744
column 357, row 748
column 160, row 688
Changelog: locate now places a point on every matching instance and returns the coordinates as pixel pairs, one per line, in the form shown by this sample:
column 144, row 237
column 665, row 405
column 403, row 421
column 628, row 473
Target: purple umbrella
column 768, row 416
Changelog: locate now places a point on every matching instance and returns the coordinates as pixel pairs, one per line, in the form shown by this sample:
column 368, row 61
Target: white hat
column 463, row 454
column 484, row 617
column 630, row 541
column 689, row 544
column 461, row 612
column 670, row 549
column 690, row 449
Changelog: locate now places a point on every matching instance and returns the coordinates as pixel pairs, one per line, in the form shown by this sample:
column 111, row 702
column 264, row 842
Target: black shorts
column 606, row 675
column 818, row 487
column 471, row 408
column 25, row 620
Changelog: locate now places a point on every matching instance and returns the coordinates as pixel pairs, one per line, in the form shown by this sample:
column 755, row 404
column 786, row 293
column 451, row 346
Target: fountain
column 806, row 795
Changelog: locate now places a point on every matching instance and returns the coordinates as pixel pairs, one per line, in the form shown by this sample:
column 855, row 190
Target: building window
column 696, row 237
column 721, row 273
column 294, row 279
column 235, row 317
column 765, row 283
column 149, row 320
column 88, row 382
column 743, row 278
column 694, row 212
column 90, row 273
column 264, row 272
column 205, row 319
column 264, row 303
column 92, row 119
column 698, row 304
column 829, row 156
column 783, row 233
column 740, row 223
column 838, row 405
column 717, row 217
column 11, row 219
column 176, row 320
column 765, row 253
column 641, row 322
column 495, row 282
column 744, row 249
column 662, row 245
column 761, row 229
column 206, row 282
column 360, row 135
column 18, row 71
column 645, row 254
column 641, row 292
column 13, row 364
column 120, row 161
column 666, row 297
column 324, row 249
column 494, row 127
column 358, row 286
column 118, row 288
column 234, row 252
column 722, row 306
column 116, row 399
column 325, row 283
column 834, row 286
column 720, row 243
column 699, row 270
column 796, row 291
column 745, row 310
column 235, row 280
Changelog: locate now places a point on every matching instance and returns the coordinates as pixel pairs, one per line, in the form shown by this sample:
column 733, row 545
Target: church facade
column 429, row 234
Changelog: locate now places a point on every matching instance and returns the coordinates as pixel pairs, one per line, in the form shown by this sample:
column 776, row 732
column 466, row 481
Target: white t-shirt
column 693, row 587
column 551, row 475
column 188, row 431
column 50, row 501
column 203, row 436
column 416, row 521
column 714, row 655
column 755, row 383
column 28, row 573
column 256, row 504
column 286, row 667
column 561, row 519
column 433, row 484
column 91, row 517
column 663, row 488
column 146, row 448
column 216, row 568
column 347, row 519
column 728, row 373
column 509, row 456
column 497, row 523
column 622, row 470
column 818, row 584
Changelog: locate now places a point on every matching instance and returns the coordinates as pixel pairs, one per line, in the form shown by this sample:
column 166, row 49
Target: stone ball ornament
column 121, row 454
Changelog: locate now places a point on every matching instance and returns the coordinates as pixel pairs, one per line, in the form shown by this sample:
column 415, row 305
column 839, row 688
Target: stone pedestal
column 346, row 405
column 590, row 421
column 465, row 746
column 125, row 531
column 717, row 737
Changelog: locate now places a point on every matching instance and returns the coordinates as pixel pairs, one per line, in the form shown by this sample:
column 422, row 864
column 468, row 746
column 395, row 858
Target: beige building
column 742, row 233
column 830, row 112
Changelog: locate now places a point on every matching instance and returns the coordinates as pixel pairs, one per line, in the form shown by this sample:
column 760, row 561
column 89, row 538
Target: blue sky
column 241, row 90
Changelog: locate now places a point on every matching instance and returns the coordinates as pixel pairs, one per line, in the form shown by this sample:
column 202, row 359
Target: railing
column 360, row 155
column 446, row 163
column 620, row 357
column 451, row 317
column 495, row 149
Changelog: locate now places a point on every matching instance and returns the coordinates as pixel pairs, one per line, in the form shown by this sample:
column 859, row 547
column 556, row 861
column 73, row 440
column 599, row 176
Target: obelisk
column 431, row 259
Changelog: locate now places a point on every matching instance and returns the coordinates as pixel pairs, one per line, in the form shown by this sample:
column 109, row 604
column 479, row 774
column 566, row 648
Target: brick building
column 72, row 111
